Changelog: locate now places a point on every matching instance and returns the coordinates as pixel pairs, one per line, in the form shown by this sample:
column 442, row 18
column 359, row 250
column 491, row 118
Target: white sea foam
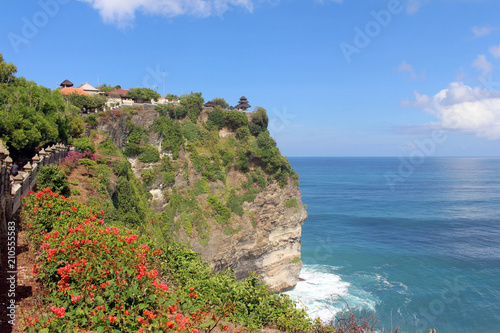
column 319, row 291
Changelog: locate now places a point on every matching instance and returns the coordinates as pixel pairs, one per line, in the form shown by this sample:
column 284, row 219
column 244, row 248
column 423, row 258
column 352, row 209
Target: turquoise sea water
column 421, row 252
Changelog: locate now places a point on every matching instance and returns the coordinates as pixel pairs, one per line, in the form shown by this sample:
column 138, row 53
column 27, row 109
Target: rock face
column 116, row 125
column 265, row 240
column 268, row 240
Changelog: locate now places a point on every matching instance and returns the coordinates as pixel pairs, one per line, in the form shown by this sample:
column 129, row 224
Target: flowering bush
column 72, row 160
column 100, row 278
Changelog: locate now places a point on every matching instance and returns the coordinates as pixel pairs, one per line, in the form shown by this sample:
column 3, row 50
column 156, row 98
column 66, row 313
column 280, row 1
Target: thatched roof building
column 67, row 84
column 209, row 104
column 243, row 104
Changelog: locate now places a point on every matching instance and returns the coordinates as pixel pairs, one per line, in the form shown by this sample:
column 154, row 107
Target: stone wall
column 13, row 188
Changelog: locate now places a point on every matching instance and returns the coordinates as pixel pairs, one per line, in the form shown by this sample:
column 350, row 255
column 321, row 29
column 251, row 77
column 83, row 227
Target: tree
column 105, row 88
column 32, row 115
column 87, row 102
column 216, row 119
column 220, row 102
column 171, row 97
column 51, row 177
column 192, row 101
column 143, row 94
column 258, row 121
column 193, row 104
column 7, row 71
column 235, row 119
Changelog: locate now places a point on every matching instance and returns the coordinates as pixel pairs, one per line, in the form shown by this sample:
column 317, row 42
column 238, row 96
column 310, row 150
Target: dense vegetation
column 33, row 116
column 104, row 278
column 111, row 263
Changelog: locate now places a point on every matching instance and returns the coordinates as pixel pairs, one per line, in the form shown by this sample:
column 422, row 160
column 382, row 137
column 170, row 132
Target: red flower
column 101, row 212
column 59, row 312
column 75, row 299
column 34, row 269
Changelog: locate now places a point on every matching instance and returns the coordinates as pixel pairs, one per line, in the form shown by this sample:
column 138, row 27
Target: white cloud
column 483, row 65
column 413, row 6
column 122, row 12
column 462, row 108
column 495, row 51
column 481, row 31
column 408, row 68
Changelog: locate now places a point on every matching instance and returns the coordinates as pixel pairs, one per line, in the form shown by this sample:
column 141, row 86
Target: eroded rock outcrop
column 268, row 240
column 265, row 239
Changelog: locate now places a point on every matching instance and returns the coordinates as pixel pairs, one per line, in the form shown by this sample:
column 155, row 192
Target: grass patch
column 290, row 203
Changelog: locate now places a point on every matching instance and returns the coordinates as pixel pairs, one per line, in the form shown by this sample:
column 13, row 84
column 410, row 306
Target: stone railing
column 13, row 188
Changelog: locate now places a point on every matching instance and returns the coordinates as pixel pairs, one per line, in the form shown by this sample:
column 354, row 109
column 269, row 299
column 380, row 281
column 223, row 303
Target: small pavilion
column 242, row 104
column 66, row 84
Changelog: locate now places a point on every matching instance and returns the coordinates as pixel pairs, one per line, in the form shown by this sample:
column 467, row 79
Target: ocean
column 416, row 244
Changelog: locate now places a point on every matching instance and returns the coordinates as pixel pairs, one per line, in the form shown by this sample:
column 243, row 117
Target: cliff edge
column 231, row 197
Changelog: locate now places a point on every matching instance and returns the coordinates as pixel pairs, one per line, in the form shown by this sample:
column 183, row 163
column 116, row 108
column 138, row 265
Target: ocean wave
column 323, row 291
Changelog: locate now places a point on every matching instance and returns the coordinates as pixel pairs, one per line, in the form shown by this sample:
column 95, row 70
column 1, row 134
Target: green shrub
column 135, row 135
column 292, row 202
column 149, row 154
column 132, row 149
column 242, row 133
column 235, row 119
column 171, row 133
column 201, row 186
column 167, row 170
column 91, row 120
column 75, row 191
column 250, row 303
column 88, row 164
column 242, row 162
column 148, row 176
column 83, row 144
column 126, row 201
column 109, row 148
column 229, row 231
column 258, row 121
column 190, row 131
column 50, row 177
column 121, row 167
column 221, row 212
column 216, row 119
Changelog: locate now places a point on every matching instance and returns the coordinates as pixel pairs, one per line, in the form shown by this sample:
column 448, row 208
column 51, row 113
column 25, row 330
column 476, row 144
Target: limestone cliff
column 269, row 246
column 263, row 236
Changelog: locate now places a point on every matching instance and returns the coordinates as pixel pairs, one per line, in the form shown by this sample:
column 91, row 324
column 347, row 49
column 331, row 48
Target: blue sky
column 409, row 78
